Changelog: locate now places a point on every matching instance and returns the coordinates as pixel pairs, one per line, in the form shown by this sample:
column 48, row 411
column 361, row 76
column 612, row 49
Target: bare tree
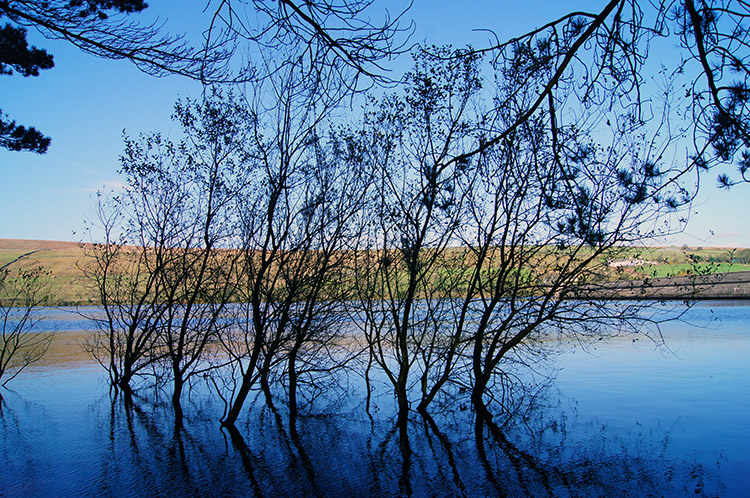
column 471, row 259
column 295, row 219
column 184, row 197
column 165, row 282
column 550, row 206
column 124, row 277
column 542, row 235
column 334, row 40
column 405, row 269
column 22, row 293
column 474, row 222
column 316, row 272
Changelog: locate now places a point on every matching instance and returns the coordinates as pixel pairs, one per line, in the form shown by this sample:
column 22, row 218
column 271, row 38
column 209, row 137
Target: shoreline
column 714, row 286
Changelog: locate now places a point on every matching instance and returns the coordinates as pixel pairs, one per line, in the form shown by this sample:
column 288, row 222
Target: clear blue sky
column 85, row 103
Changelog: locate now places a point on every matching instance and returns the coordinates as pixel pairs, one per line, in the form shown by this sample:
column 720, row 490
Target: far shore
column 728, row 278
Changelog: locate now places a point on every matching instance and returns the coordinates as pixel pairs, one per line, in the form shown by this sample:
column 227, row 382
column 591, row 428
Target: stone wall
column 715, row 286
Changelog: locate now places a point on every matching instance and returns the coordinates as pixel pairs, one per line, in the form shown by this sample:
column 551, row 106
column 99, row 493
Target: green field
column 675, row 261
column 670, row 270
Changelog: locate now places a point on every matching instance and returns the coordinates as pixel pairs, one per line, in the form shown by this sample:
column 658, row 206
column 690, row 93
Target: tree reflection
column 446, row 448
column 543, row 458
column 147, row 453
column 134, row 448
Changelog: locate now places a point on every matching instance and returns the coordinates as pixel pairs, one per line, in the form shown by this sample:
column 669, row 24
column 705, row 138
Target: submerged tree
column 468, row 219
column 543, row 230
column 405, row 268
column 470, row 259
column 166, row 279
column 558, row 196
column 296, row 218
column 124, row 277
column 195, row 191
column 22, row 293
column 287, row 221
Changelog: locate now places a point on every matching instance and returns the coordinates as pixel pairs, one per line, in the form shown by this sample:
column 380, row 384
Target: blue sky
column 85, row 103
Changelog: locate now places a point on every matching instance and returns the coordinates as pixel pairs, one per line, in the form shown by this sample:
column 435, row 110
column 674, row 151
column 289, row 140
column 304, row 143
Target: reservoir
column 624, row 417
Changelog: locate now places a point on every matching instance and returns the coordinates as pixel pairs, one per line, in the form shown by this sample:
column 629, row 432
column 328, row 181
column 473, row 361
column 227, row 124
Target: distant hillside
column 61, row 259
column 64, row 261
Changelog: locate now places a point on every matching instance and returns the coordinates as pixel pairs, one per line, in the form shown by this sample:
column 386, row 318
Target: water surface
column 625, row 418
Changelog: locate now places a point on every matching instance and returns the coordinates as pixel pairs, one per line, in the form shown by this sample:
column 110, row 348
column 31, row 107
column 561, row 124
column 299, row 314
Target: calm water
column 624, row 419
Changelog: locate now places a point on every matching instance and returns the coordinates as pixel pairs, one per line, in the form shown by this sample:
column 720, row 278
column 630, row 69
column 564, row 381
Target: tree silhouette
column 297, row 213
column 467, row 219
column 468, row 260
column 15, row 55
column 167, row 271
column 601, row 55
column 22, row 292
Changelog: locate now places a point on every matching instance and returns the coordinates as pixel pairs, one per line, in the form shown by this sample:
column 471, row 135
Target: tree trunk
column 266, row 387
column 176, row 395
column 124, row 384
column 403, row 404
column 236, row 405
column 477, row 396
column 247, row 382
column 293, row 383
